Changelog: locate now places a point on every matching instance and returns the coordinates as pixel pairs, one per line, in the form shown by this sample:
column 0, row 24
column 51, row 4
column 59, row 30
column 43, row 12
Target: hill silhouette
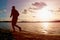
column 35, row 21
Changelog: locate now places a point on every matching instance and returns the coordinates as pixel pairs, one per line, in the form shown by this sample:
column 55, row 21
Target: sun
column 44, row 14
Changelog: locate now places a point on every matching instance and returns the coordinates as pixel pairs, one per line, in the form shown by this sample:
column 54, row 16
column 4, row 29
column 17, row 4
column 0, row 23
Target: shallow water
column 41, row 28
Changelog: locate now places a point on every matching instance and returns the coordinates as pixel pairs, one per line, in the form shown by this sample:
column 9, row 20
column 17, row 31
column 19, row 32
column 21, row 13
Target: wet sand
column 23, row 35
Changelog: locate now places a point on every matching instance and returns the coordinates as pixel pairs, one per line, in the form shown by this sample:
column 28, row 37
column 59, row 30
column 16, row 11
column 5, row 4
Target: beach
column 24, row 35
column 32, row 36
column 31, row 31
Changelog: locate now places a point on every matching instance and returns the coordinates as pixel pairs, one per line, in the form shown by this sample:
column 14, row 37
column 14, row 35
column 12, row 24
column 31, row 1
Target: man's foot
column 20, row 29
column 14, row 31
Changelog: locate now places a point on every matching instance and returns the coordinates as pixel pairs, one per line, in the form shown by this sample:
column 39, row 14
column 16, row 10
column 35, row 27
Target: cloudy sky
column 31, row 10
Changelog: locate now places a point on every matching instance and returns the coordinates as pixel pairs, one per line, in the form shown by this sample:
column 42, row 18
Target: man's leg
column 13, row 25
column 13, row 28
column 18, row 27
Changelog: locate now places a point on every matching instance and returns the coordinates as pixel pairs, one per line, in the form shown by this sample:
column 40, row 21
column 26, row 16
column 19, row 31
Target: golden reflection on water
column 45, row 27
column 42, row 28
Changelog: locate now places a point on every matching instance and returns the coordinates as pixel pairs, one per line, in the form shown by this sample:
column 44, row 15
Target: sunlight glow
column 44, row 14
column 45, row 27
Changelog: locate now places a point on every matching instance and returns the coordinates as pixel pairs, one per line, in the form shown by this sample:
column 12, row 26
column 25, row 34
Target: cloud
column 2, row 11
column 39, row 4
column 35, row 6
column 58, row 10
column 24, row 11
column 55, row 10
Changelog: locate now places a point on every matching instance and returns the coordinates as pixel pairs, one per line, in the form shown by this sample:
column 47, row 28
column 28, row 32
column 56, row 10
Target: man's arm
column 11, row 14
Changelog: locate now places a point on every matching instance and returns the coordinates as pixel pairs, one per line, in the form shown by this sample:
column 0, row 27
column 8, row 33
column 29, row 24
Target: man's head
column 13, row 7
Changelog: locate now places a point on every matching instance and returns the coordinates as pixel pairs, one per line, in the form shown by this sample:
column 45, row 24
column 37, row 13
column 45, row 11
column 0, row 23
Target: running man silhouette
column 14, row 15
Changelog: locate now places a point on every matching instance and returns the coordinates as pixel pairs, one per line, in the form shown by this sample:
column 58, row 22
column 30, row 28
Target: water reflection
column 41, row 28
column 45, row 27
column 50, row 28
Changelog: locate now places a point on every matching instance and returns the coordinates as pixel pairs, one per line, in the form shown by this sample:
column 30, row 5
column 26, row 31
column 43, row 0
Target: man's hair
column 13, row 7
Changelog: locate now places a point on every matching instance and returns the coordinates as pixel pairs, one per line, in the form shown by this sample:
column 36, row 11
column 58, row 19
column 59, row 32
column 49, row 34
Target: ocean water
column 40, row 28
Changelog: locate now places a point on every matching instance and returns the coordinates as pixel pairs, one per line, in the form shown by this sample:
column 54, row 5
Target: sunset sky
column 31, row 10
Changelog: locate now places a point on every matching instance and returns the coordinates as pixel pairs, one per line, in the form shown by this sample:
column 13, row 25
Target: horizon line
column 35, row 21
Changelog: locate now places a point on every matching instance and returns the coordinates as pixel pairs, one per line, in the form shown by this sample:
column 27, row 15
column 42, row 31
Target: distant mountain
column 5, row 21
column 38, row 21
column 33, row 21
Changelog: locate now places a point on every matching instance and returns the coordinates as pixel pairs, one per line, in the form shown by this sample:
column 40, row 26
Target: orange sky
column 52, row 6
